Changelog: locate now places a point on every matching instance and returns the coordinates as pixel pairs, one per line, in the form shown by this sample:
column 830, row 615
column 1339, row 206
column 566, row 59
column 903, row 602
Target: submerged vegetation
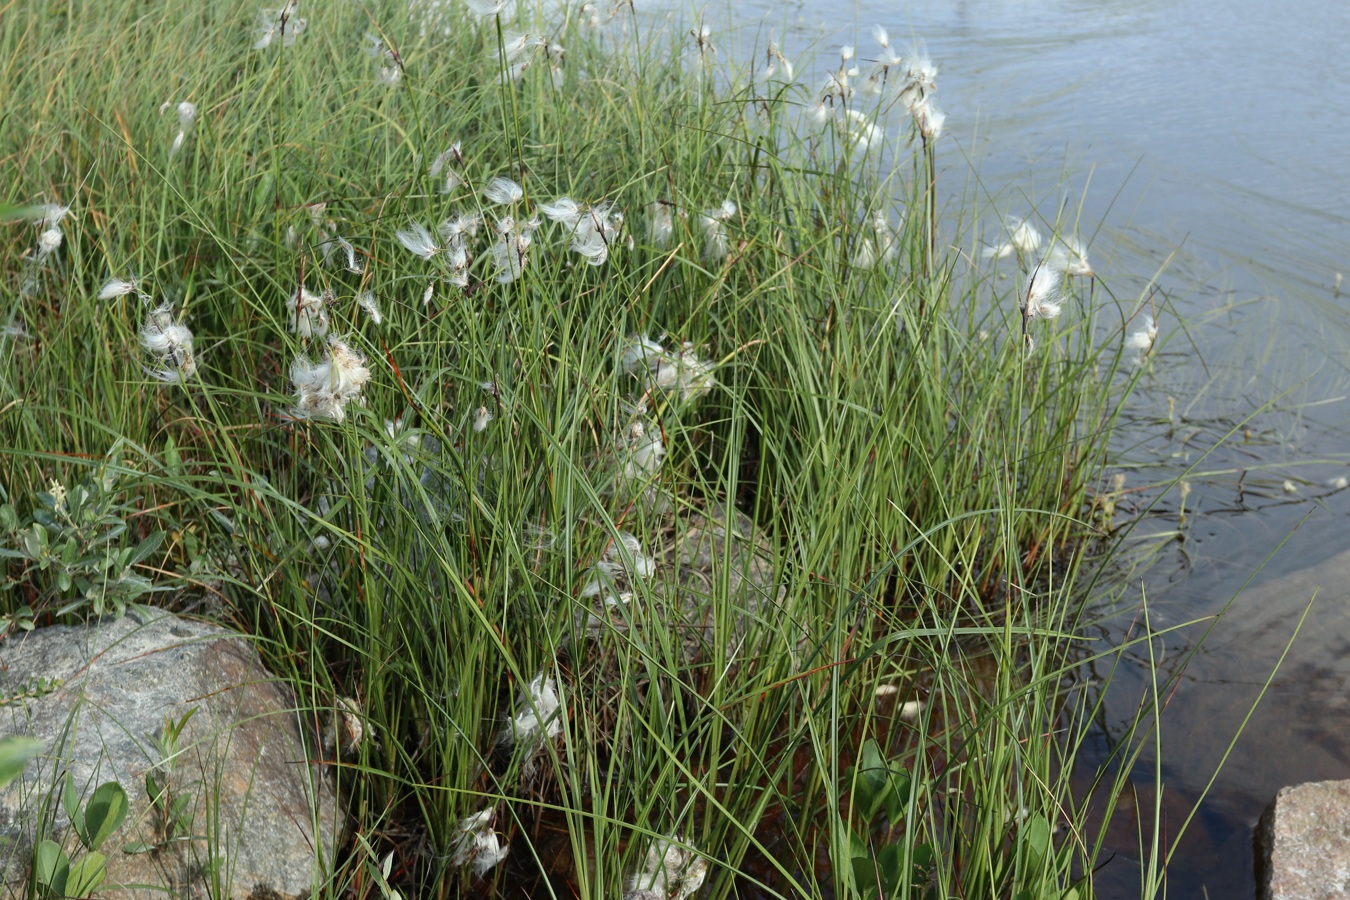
column 606, row 435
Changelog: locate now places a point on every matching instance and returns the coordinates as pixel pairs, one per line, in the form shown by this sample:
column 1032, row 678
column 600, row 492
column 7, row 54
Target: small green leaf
column 81, row 593
column 172, row 460
column 105, row 812
column 15, row 752
column 138, row 847
column 178, row 808
column 864, row 876
column 146, row 547
column 1034, row 837
column 71, row 802
column 180, row 817
column 223, row 520
column 879, row 785
column 51, row 866
column 870, row 782
column 153, row 789
column 891, row 866
column 896, row 796
column 86, row 874
column 175, row 729
column 34, row 539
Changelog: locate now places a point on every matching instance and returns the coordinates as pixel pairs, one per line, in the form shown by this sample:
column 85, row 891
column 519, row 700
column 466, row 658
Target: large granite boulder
column 262, row 816
column 1303, row 843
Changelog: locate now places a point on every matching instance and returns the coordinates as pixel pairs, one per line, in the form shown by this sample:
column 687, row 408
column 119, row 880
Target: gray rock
column 1303, row 843
column 721, row 545
column 255, row 799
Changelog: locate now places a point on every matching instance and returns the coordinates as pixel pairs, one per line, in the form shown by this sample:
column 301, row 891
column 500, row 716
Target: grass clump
column 602, row 436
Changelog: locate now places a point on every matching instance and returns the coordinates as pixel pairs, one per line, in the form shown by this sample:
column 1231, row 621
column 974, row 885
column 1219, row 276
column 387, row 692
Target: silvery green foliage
column 74, row 549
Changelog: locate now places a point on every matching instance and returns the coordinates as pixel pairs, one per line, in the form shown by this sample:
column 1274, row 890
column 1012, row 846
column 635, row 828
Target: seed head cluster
column 672, row 870
column 169, row 343
column 323, row 389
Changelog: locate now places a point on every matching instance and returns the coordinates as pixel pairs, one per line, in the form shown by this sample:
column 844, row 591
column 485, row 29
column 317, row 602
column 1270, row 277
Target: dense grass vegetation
column 731, row 509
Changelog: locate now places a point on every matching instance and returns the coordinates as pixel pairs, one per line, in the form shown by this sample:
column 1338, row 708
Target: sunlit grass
column 907, row 484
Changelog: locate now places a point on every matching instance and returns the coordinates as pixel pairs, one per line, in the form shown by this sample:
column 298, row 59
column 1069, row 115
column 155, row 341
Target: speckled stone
column 257, row 801
column 1303, row 843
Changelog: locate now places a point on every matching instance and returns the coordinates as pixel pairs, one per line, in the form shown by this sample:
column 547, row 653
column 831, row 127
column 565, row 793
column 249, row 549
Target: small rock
column 1303, row 843
column 98, row 694
column 715, row 546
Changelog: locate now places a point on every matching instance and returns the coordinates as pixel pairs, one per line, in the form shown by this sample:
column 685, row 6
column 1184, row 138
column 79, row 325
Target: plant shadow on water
column 1239, row 472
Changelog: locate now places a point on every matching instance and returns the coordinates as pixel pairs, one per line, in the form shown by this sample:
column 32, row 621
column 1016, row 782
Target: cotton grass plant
column 484, row 346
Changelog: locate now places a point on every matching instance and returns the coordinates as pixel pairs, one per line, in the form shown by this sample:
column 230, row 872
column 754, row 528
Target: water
column 1219, row 130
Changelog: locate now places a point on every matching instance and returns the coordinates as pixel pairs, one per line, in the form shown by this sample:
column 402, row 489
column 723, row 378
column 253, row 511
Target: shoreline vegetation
column 644, row 493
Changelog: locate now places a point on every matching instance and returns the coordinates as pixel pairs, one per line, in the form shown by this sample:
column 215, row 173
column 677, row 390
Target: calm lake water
column 1218, row 131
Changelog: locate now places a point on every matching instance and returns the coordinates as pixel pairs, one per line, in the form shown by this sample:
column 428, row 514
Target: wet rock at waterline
column 99, row 696
column 1303, row 843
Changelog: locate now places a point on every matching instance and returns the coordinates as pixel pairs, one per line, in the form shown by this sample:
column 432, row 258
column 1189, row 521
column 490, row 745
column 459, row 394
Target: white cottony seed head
column 565, row 211
column 442, row 164
column 671, row 870
column 48, row 242
column 478, row 843
column 368, row 304
column 1041, row 296
column 1024, row 237
column 1068, row 255
column 170, row 343
column 323, row 389
column 645, row 452
column 503, row 191
column 50, row 215
column 662, row 223
column 1141, row 341
column 487, row 7
column 482, row 418
column 1143, row 338
column 678, row 372
column 624, row 558
column 929, row 119
column 309, row 313
column 117, row 287
column 418, row 240
column 538, row 717
column 353, row 263
column 274, row 23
